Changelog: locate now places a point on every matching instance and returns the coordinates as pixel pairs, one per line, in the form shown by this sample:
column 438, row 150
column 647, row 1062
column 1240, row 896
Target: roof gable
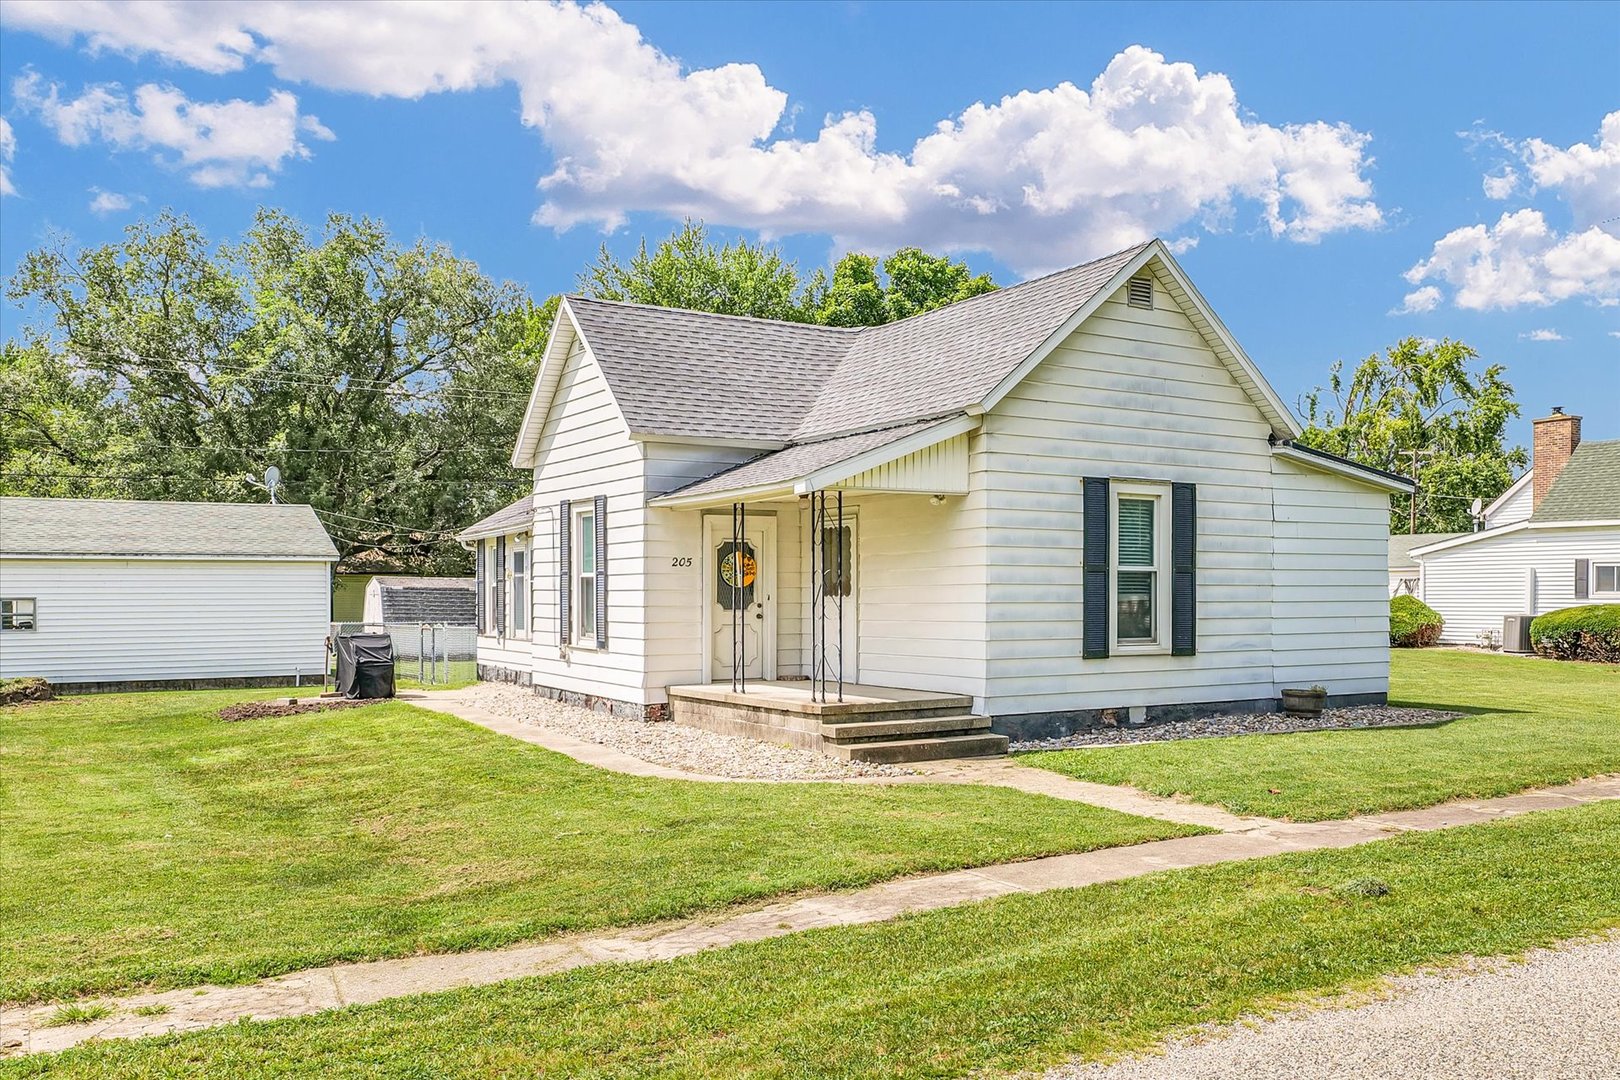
column 1588, row 489
column 696, row 375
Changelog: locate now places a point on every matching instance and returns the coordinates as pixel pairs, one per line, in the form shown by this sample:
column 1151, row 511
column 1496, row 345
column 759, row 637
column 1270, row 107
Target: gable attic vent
column 1139, row 292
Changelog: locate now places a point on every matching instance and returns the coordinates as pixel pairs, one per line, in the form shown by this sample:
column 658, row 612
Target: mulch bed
column 261, row 710
column 25, row 691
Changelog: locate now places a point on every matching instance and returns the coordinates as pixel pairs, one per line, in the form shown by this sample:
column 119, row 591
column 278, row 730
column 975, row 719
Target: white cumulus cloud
column 1542, row 335
column 8, row 150
column 1522, row 259
column 1502, row 184
column 103, row 203
column 1419, row 300
column 1041, row 177
column 218, row 143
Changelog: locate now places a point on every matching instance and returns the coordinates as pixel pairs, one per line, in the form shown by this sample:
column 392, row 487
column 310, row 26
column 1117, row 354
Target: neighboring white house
column 1072, row 501
column 1551, row 541
column 99, row 592
column 1404, row 572
column 395, row 599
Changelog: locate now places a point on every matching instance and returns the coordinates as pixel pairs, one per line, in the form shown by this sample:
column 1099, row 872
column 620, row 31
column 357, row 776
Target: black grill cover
column 365, row 665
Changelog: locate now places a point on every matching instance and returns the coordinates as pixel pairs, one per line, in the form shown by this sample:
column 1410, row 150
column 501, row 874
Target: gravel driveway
column 1555, row 1017
column 673, row 745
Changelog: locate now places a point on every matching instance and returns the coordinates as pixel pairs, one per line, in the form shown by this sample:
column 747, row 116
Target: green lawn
column 1531, row 722
column 144, row 842
column 1013, row 984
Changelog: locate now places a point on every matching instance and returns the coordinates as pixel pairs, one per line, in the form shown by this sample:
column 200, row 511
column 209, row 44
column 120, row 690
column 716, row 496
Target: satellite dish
column 1477, row 507
column 272, row 480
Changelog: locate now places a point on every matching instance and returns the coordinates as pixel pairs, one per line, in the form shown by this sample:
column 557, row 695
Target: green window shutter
column 1094, row 600
column 601, row 572
column 1184, row 569
column 565, row 570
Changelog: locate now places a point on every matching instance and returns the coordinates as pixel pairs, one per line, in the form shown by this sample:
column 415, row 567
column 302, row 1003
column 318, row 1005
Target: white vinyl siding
column 126, row 620
column 1529, row 571
column 585, row 450
column 1133, row 393
column 1515, row 508
column 1330, row 601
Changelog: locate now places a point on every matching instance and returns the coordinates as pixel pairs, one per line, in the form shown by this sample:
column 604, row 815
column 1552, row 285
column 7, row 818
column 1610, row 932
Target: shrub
column 1412, row 623
column 1579, row 633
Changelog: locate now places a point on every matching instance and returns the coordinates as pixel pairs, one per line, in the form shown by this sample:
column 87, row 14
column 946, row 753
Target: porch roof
column 828, row 463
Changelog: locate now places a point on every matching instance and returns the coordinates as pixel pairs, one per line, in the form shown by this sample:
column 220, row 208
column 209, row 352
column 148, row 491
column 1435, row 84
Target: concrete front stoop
column 876, row 724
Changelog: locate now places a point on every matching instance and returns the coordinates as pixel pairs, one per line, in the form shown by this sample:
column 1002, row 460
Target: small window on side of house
column 585, row 578
column 520, row 591
column 1606, row 579
column 18, row 614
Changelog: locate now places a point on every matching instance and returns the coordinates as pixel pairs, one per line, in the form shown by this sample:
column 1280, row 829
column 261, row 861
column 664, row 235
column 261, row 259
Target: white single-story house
column 110, row 594
column 1551, row 541
column 1069, row 502
column 411, row 601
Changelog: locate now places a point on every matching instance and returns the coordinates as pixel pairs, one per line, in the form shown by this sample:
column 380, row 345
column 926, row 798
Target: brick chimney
column 1555, row 439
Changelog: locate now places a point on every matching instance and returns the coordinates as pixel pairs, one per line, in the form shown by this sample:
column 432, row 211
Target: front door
column 739, row 582
column 838, row 583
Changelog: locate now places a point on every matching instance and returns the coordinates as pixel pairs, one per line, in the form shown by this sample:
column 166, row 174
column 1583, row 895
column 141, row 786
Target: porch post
column 843, row 586
column 739, row 642
column 818, row 627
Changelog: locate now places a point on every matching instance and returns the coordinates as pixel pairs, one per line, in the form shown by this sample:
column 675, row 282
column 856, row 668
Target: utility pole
column 1411, row 520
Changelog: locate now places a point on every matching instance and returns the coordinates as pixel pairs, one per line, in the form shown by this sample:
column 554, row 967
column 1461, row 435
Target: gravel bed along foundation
column 673, row 745
column 1212, row 727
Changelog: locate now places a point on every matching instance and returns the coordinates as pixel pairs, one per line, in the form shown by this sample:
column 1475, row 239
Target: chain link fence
column 427, row 654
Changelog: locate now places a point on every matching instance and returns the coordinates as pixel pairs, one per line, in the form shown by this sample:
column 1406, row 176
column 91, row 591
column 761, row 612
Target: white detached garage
column 101, row 593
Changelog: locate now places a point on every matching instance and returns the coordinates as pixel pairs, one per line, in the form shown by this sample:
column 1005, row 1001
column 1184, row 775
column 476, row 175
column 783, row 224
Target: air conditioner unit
column 1516, row 633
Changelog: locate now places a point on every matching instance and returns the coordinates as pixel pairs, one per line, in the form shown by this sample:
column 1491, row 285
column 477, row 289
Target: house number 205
column 681, row 561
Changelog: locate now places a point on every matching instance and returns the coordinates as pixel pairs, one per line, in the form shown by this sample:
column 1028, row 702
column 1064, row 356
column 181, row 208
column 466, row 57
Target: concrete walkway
column 317, row 989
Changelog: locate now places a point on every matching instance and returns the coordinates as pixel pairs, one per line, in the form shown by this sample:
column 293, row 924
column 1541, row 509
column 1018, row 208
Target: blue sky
column 1334, row 176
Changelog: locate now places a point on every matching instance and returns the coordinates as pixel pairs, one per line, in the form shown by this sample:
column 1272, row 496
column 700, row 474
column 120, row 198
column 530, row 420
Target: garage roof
column 116, row 527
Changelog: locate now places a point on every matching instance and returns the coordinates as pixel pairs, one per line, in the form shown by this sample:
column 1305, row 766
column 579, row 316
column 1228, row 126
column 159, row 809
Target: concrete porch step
column 887, row 728
column 900, row 751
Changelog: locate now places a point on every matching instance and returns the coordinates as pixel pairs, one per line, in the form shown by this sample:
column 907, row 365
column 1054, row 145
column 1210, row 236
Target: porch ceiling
column 938, row 447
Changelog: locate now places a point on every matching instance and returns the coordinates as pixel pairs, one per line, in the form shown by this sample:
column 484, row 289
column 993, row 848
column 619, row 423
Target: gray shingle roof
column 174, row 529
column 516, row 518
column 694, row 374
column 1401, row 545
column 453, row 601
column 1589, row 487
column 785, row 466
column 951, row 358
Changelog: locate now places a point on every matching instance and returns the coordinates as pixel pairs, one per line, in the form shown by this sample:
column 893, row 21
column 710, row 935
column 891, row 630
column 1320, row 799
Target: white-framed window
column 1606, row 579
column 492, row 586
column 518, row 556
column 585, row 576
column 1139, row 564
column 19, row 613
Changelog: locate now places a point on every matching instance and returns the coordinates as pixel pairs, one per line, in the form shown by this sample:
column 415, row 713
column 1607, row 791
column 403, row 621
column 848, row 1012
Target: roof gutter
column 1323, row 461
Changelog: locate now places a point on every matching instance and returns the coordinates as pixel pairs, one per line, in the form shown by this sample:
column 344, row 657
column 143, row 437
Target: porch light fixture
column 936, row 500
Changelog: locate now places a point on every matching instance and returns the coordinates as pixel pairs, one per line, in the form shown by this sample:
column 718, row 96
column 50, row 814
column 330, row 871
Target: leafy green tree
column 688, row 270
column 384, row 381
column 1421, row 410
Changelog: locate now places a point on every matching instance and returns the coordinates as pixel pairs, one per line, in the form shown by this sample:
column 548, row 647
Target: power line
column 226, row 479
column 316, row 449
